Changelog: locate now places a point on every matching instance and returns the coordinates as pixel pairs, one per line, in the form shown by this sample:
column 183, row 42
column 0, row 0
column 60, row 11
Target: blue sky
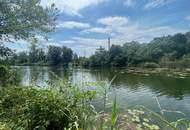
column 84, row 25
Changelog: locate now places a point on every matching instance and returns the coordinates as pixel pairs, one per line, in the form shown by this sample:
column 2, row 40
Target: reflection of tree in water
column 161, row 85
column 102, row 74
column 61, row 72
column 34, row 73
column 38, row 75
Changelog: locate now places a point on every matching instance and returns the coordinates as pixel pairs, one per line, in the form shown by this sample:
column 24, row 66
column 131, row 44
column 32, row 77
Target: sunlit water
column 131, row 89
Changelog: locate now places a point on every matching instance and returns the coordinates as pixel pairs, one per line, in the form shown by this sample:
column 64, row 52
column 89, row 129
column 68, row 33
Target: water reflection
column 131, row 89
column 158, row 84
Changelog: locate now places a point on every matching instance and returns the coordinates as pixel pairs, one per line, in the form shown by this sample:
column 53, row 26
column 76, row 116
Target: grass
column 114, row 115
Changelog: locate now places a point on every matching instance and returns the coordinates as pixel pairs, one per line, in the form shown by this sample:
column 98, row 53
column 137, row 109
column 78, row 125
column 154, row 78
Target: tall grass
column 114, row 115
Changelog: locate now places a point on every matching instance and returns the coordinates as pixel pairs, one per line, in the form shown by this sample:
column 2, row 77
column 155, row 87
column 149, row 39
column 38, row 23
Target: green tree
column 67, row 55
column 99, row 58
column 54, row 55
column 180, row 45
column 33, row 53
column 75, row 59
column 116, row 57
column 130, row 51
column 42, row 56
column 22, row 57
column 5, row 53
column 22, row 19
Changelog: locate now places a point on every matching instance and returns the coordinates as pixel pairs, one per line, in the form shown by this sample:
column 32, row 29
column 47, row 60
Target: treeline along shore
column 162, row 52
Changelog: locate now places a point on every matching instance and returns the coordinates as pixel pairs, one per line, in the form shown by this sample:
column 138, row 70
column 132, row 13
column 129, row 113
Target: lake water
column 131, row 89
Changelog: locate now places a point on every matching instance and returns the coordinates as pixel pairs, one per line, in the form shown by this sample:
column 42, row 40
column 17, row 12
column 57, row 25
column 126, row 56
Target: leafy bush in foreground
column 9, row 76
column 44, row 109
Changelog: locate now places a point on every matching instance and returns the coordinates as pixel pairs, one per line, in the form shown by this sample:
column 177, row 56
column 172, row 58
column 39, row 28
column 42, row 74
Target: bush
column 4, row 75
column 9, row 76
column 4, row 126
column 33, row 108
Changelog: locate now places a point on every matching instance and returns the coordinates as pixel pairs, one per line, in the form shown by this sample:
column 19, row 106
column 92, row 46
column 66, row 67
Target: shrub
column 4, row 75
column 9, row 76
column 57, row 108
column 4, row 126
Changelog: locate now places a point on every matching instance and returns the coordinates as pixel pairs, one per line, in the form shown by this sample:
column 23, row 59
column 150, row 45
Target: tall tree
column 42, row 56
column 67, row 55
column 33, row 53
column 22, row 57
column 23, row 19
column 54, row 55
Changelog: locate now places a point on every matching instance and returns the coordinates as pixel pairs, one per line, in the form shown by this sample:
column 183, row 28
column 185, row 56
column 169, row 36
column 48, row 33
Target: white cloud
column 188, row 17
column 89, row 42
column 68, row 42
column 97, row 30
column 112, row 21
column 73, row 25
column 71, row 7
column 122, row 29
column 112, row 25
column 129, row 3
column 84, row 46
column 146, row 34
column 156, row 3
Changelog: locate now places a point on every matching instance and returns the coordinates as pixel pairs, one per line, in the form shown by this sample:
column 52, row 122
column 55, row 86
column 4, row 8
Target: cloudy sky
column 84, row 25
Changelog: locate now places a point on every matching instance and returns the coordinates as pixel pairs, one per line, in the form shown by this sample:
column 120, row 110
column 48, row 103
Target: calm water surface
column 131, row 89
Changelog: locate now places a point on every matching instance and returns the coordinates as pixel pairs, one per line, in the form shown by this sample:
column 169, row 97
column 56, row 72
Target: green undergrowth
column 32, row 108
column 9, row 76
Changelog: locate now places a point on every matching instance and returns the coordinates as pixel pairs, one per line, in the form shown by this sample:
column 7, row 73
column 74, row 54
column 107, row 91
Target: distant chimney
column 109, row 43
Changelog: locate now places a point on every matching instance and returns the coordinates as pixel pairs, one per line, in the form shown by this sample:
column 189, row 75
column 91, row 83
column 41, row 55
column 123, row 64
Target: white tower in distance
column 109, row 44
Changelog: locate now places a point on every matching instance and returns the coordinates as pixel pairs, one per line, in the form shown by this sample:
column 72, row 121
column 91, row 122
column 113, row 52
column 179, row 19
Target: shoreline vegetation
column 162, row 52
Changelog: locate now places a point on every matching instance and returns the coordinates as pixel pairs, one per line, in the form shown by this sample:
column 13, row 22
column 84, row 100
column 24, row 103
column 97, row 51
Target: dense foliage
column 53, row 56
column 168, row 51
column 21, row 19
column 57, row 108
column 9, row 76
